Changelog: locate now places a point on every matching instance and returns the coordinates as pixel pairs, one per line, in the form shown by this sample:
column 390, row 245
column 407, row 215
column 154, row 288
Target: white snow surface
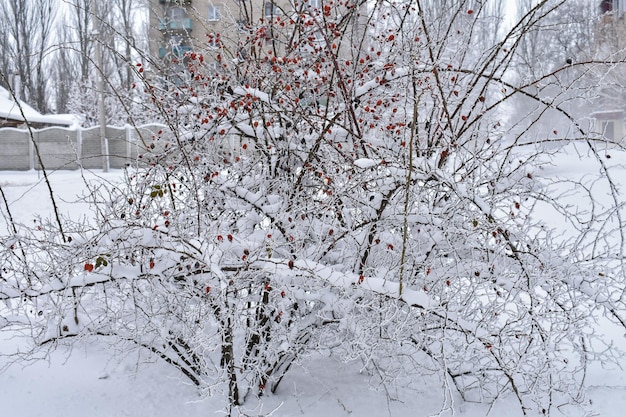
column 89, row 383
column 9, row 109
column 365, row 163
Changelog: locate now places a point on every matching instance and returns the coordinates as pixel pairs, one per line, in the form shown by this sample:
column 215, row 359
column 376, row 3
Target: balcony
column 184, row 24
column 177, row 51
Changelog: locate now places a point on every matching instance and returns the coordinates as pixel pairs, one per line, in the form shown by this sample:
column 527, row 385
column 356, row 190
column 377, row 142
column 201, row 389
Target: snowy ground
column 89, row 384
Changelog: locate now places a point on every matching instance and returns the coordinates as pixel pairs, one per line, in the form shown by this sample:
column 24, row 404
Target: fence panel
column 57, row 147
column 64, row 148
column 15, row 152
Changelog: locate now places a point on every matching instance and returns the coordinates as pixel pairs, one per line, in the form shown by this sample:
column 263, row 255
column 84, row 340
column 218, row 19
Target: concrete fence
column 67, row 148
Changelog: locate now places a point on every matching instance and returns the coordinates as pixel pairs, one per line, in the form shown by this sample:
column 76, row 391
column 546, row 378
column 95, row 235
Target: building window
column 178, row 39
column 242, row 53
column 609, row 6
column 318, row 37
column 242, row 25
column 314, row 4
column 271, row 9
column 214, row 13
column 176, row 13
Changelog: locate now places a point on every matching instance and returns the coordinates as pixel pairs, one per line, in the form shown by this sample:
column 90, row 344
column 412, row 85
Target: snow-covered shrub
column 353, row 192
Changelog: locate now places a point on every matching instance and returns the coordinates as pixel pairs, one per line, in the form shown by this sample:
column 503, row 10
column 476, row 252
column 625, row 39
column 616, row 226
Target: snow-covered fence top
column 70, row 148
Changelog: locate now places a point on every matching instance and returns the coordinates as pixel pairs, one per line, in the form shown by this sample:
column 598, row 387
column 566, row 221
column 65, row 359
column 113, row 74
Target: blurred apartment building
column 180, row 27
column 610, row 45
column 612, row 28
column 613, row 6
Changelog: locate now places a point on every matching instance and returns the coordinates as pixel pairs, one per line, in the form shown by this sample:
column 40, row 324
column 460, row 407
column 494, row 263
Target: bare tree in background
column 5, row 60
column 123, row 21
column 26, row 45
column 64, row 73
column 78, row 71
column 123, row 33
